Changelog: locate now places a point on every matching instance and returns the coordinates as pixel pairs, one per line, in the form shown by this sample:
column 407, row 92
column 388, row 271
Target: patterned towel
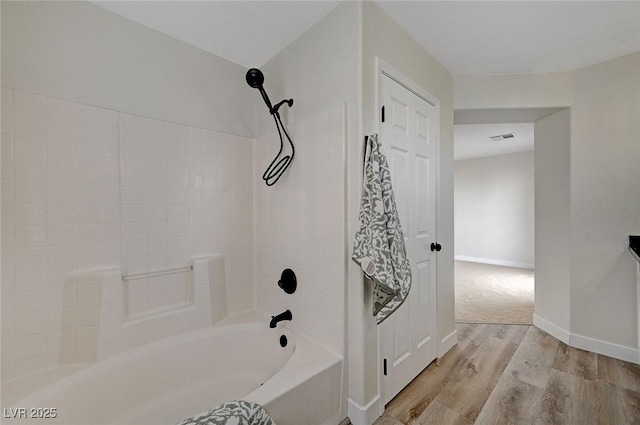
column 379, row 243
column 237, row 412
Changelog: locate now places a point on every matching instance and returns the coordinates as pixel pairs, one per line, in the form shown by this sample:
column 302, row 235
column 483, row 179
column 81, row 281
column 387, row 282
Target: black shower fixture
column 275, row 170
column 288, row 281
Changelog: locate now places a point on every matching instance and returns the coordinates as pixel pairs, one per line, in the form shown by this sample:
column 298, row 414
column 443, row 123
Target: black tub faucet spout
column 279, row 318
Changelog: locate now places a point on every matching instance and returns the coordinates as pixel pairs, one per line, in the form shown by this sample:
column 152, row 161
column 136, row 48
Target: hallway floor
column 517, row 374
column 486, row 293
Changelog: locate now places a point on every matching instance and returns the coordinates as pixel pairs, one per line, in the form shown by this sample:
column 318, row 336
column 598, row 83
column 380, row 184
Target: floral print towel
column 239, row 412
column 379, row 243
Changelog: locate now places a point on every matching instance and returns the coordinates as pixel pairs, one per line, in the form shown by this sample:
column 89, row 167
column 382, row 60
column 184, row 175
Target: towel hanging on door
column 379, row 246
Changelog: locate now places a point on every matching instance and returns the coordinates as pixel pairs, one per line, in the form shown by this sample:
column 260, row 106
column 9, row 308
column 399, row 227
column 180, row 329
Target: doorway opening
column 495, row 214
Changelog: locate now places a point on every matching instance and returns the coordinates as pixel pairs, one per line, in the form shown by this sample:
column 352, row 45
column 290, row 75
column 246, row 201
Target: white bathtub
column 167, row 381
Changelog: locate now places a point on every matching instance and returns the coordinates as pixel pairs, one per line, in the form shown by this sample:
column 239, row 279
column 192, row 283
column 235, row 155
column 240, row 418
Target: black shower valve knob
column 288, row 281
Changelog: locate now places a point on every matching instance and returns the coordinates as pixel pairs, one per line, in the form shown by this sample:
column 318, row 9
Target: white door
column 409, row 136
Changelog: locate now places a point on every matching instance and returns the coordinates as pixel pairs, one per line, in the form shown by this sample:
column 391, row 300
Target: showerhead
column 255, row 78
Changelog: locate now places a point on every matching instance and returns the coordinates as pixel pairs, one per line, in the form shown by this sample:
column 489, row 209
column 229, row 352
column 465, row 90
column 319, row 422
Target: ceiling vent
column 502, row 137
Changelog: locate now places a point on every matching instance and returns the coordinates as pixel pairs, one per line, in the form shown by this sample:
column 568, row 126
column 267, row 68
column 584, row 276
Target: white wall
column 595, row 276
column 494, row 209
column 99, row 172
column 83, row 53
column 513, row 91
column 383, row 38
column 552, row 210
column 605, row 199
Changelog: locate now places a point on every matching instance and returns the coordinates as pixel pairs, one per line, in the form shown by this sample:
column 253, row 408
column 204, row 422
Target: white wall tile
column 55, row 298
column 137, row 248
column 134, row 213
column 7, row 305
column 7, row 111
column 90, row 214
column 30, row 365
column 28, row 116
column 60, row 193
column 301, row 226
column 60, row 213
column 30, row 324
column 8, row 191
column 155, row 170
column 27, row 191
column 7, row 206
column 87, row 315
column 7, row 327
column 89, row 188
column 26, row 236
column 7, row 165
column 87, row 336
column 61, row 151
column 7, row 366
column 62, row 234
column 157, row 213
column 62, row 173
column 30, row 170
column 54, row 323
column 85, row 193
column 30, row 280
column 110, row 315
column 29, row 302
column 98, row 255
column 60, row 256
column 157, row 247
column 29, row 258
column 53, row 344
column 61, row 120
column 93, row 233
column 88, row 295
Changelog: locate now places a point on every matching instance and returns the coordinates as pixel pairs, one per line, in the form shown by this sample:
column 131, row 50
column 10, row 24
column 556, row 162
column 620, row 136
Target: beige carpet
column 493, row 294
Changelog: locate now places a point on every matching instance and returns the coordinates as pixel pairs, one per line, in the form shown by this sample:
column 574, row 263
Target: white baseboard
column 582, row 342
column 609, row 349
column 495, row 262
column 365, row 415
column 552, row 329
column 447, row 343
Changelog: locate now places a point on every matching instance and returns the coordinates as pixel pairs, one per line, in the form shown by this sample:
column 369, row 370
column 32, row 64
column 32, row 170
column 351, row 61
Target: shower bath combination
column 281, row 162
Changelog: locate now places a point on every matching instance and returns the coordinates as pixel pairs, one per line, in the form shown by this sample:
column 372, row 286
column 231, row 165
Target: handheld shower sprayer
column 278, row 166
column 255, row 79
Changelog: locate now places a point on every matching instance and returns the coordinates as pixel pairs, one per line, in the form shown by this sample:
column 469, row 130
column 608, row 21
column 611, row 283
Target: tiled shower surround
column 89, row 194
column 301, row 226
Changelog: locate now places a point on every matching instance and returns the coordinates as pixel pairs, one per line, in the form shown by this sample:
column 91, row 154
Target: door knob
column 435, row 246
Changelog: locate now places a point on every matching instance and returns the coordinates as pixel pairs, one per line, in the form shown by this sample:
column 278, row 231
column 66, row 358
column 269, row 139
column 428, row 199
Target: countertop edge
column 635, row 254
column 634, row 247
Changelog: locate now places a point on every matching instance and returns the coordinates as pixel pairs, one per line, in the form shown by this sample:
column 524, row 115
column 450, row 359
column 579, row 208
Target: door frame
column 382, row 69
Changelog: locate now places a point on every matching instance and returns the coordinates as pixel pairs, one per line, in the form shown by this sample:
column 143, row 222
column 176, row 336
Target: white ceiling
column 248, row 33
column 467, row 37
column 472, row 140
column 519, row 37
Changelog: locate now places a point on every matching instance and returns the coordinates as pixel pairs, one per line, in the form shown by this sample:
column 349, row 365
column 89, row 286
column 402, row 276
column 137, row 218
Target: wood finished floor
column 517, row 374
